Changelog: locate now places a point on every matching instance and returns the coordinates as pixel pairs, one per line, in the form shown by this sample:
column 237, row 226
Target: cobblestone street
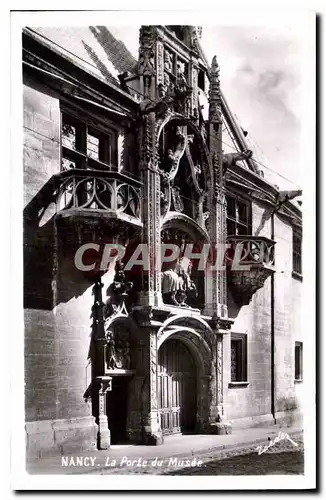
column 281, row 458
column 256, row 451
column 286, row 462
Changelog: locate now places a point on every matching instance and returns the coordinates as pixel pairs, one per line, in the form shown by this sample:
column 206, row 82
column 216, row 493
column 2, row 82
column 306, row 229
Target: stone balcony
column 97, row 199
column 112, row 192
column 249, row 262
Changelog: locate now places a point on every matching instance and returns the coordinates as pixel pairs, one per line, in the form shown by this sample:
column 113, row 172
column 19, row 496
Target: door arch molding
column 198, row 330
column 196, row 344
column 201, row 355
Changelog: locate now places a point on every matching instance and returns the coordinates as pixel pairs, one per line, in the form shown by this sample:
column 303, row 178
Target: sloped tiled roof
column 95, row 48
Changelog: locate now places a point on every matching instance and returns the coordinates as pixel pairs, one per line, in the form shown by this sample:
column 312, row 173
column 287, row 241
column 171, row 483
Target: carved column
column 151, row 283
column 219, row 366
column 194, row 96
column 103, row 434
column 159, row 62
column 98, row 330
column 216, row 288
column 222, row 426
column 213, row 409
column 146, row 61
column 221, row 240
column 216, row 281
column 101, row 383
column 152, row 433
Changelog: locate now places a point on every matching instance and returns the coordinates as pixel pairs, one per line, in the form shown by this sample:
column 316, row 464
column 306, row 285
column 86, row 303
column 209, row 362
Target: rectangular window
column 84, row 146
column 238, row 357
column 238, row 216
column 201, row 80
column 296, row 252
column 298, row 372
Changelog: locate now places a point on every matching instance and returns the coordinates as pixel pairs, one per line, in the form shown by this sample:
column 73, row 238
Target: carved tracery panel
column 184, row 171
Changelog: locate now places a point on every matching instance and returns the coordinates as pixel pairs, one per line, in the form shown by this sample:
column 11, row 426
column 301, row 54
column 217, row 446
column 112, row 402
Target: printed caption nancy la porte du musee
column 84, row 461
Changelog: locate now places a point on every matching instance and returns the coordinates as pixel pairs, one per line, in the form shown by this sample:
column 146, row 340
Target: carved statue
column 146, row 59
column 178, row 204
column 120, row 286
column 171, row 284
column 122, row 355
column 231, row 159
column 117, row 351
column 166, row 86
column 177, row 285
column 187, row 287
column 117, row 291
column 110, row 351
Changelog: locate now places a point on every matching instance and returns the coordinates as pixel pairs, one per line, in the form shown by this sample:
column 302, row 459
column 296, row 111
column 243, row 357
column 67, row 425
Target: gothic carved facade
column 159, row 177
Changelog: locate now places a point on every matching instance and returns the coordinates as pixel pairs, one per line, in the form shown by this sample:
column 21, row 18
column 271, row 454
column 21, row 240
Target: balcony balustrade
column 113, row 193
column 256, row 255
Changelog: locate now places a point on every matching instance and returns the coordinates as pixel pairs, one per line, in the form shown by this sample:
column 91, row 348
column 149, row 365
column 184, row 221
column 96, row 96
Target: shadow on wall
column 38, row 256
column 233, row 307
column 267, row 214
column 116, row 51
column 42, row 250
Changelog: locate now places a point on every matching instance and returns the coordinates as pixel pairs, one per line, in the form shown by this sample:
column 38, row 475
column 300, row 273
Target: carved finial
column 215, row 69
column 97, row 310
column 214, row 93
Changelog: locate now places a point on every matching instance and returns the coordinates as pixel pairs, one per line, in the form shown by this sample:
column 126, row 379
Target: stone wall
column 287, row 321
column 41, row 161
column 251, row 404
column 57, row 298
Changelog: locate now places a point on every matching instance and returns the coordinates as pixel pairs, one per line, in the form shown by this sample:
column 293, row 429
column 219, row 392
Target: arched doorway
column 176, row 387
column 116, row 409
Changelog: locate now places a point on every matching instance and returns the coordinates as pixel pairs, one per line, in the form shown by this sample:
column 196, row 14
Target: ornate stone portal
column 182, row 189
column 183, row 181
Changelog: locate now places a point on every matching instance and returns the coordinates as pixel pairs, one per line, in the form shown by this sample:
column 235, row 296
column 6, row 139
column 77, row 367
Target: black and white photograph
column 165, row 234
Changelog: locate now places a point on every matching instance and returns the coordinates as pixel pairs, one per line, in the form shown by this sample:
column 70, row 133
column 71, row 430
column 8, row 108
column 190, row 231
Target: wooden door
column 176, row 388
